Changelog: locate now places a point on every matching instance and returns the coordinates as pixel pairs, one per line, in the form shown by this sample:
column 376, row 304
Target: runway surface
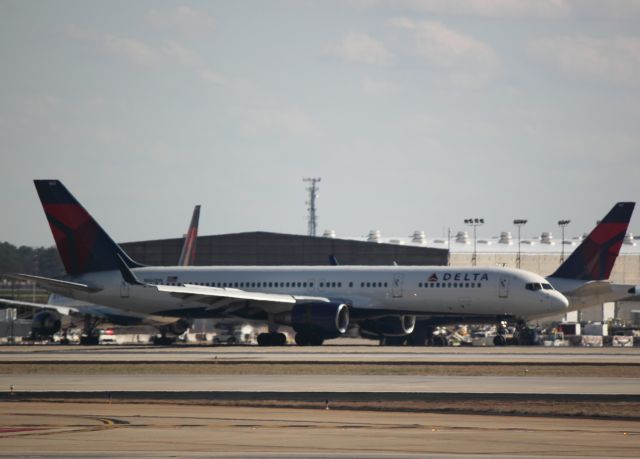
column 320, row 383
column 341, row 354
column 137, row 430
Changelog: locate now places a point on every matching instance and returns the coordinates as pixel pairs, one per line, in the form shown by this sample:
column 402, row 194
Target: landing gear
column 439, row 341
column 163, row 340
column 525, row 336
column 421, row 335
column 393, row 340
column 272, row 339
column 89, row 336
column 307, row 339
column 90, row 340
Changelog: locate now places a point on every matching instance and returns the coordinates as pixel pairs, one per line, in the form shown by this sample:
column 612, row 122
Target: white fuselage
column 419, row 290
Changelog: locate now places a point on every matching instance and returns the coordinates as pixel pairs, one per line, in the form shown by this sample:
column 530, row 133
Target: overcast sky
column 416, row 114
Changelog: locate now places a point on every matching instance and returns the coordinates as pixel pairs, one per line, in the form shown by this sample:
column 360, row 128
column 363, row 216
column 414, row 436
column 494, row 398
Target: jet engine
column 389, row 326
column 45, row 324
column 328, row 320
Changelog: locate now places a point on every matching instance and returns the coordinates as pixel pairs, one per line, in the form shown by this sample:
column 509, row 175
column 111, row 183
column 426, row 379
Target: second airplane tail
column 595, row 256
column 188, row 254
column 82, row 243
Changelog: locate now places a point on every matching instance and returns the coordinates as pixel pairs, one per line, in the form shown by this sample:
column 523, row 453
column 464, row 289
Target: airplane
column 582, row 279
column 319, row 302
column 48, row 321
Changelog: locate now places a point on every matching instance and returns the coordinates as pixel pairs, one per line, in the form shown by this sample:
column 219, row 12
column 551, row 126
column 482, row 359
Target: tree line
column 41, row 261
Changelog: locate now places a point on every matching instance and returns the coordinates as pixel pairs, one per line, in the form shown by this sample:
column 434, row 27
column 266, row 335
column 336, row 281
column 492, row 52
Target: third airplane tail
column 594, row 258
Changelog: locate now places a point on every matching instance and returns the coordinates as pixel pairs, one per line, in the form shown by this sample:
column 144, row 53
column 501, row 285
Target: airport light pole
column 519, row 222
column 562, row 224
column 475, row 222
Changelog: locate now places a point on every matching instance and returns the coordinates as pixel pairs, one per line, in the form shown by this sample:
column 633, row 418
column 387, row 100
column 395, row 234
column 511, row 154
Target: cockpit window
column 547, row 286
column 533, row 286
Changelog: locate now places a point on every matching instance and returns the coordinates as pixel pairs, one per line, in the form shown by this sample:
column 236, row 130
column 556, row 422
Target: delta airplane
column 319, row 302
column 582, row 278
column 48, row 321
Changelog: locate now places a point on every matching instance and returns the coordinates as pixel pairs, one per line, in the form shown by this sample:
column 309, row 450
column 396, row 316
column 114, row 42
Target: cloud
column 287, row 121
column 182, row 19
column 374, row 87
column 495, row 8
column 468, row 61
column 361, row 48
column 616, row 60
column 213, row 77
column 133, row 50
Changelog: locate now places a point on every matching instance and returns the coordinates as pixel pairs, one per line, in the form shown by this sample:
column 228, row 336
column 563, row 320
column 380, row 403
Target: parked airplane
column 49, row 320
column 319, row 302
column 582, row 278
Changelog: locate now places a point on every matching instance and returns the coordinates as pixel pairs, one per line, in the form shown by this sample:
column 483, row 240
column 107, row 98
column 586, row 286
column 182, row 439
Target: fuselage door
column 503, row 287
column 397, row 285
column 124, row 290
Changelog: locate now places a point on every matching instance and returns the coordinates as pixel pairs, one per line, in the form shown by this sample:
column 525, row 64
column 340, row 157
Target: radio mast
column 313, row 194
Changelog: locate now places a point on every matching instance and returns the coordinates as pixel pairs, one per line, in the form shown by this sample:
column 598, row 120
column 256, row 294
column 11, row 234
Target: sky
column 416, row 114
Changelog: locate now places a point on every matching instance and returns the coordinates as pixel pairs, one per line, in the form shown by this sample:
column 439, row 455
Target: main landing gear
column 272, row 339
column 308, row 339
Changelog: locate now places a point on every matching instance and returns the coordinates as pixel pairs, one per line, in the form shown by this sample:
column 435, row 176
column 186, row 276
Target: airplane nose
column 558, row 301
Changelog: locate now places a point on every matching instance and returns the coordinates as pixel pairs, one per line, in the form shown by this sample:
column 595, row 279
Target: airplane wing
column 211, row 295
column 64, row 310
column 56, row 284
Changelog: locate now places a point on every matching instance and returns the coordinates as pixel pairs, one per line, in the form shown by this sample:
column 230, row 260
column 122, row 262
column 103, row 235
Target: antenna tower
column 313, row 194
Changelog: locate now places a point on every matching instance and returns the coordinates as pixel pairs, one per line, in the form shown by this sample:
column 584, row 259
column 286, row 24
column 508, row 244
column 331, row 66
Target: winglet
column 333, row 261
column 595, row 256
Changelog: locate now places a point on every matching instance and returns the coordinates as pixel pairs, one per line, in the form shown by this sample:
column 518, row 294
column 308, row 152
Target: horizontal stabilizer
column 56, row 284
column 64, row 310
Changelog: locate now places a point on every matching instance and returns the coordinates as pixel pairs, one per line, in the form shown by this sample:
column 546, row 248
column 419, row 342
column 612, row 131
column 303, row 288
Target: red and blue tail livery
column 83, row 245
column 594, row 258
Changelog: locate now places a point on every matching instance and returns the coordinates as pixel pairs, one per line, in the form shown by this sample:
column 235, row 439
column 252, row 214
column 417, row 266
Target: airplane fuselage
column 407, row 290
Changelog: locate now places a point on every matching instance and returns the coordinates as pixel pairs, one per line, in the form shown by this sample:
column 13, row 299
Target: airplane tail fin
column 83, row 245
column 595, row 256
column 188, row 254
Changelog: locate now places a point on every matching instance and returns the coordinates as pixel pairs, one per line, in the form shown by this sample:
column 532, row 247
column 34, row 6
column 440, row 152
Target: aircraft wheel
column 499, row 340
column 89, row 340
column 439, row 341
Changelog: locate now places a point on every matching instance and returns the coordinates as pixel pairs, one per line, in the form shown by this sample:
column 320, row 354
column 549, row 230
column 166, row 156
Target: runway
column 46, row 430
column 262, row 402
column 321, row 384
column 340, row 354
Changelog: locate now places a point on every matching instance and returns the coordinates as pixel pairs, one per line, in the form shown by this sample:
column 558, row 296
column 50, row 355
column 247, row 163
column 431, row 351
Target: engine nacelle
column 389, row 326
column 45, row 324
column 328, row 320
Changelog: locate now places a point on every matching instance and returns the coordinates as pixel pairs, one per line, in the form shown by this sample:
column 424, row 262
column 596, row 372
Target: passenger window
column 321, row 284
column 350, row 284
column 339, row 284
column 466, row 285
column 361, row 284
column 304, row 284
column 420, row 284
column 368, row 284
